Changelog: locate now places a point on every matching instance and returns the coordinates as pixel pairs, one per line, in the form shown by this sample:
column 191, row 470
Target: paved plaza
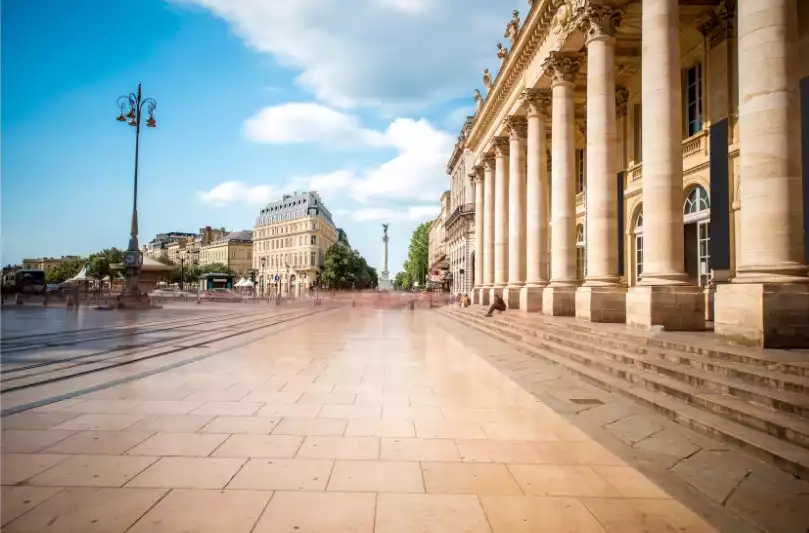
column 353, row 420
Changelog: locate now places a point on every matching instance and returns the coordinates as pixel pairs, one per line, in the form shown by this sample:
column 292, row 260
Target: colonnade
column 526, row 220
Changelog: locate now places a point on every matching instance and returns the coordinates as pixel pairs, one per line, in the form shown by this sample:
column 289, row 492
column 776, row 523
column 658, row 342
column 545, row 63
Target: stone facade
column 290, row 241
column 460, row 223
column 437, row 247
column 641, row 162
column 234, row 250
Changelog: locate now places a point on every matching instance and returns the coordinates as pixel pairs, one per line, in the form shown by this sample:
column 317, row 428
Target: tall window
column 581, row 252
column 314, row 239
column 638, row 247
column 693, row 99
column 579, row 171
column 637, row 132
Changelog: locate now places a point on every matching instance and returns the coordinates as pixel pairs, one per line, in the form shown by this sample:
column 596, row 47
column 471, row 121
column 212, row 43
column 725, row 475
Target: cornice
column 531, row 36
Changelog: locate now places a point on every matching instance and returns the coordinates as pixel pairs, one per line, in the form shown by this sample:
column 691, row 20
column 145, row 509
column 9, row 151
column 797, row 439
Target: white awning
column 82, row 276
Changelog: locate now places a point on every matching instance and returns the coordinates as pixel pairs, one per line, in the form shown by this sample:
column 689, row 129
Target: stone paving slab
column 363, row 421
column 732, row 490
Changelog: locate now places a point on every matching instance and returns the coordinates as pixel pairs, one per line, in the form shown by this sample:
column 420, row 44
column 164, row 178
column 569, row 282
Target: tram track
column 134, row 348
column 33, row 342
column 108, row 363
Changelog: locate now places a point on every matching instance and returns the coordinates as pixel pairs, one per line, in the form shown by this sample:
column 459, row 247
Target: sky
column 360, row 100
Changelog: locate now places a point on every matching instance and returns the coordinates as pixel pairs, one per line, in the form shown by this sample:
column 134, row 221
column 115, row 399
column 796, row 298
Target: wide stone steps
column 774, row 435
column 693, row 369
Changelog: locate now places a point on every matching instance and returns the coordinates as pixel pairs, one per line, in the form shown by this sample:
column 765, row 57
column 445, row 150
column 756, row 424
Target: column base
column 483, row 298
column 601, row 304
column 559, row 301
column 531, row 299
column 511, row 295
column 675, row 308
column 765, row 315
column 474, row 295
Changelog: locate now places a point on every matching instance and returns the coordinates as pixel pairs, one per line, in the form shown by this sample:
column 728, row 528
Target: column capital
column 621, row 101
column 488, row 162
column 517, row 127
column 562, row 67
column 476, row 175
column 500, row 146
column 537, row 101
column 598, row 21
column 581, row 123
column 717, row 25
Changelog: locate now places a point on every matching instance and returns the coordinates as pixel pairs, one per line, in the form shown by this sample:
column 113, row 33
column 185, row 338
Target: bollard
column 44, row 301
column 18, row 299
column 70, row 302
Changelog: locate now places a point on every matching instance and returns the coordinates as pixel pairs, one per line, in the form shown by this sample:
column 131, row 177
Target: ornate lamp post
column 133, row 258
column 181, row 257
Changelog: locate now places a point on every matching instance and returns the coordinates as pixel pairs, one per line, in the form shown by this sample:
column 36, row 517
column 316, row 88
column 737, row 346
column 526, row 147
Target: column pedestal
column 559, row 301
column 601, row 304
column 675, row 308
column 475, row 295
column 531, row 298
column 494, row 291
column 511, row 295
column 765, row 315
column 483, row 297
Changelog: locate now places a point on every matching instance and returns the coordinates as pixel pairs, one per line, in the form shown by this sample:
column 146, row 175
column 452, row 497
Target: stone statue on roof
column 487, row 80
column 513, row 27
column 502, row 54
column 478, row 101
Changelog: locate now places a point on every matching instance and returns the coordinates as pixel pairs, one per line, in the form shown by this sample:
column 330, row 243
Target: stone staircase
column 754, row 399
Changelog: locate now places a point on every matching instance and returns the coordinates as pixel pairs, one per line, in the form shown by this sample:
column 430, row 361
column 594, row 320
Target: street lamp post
column 133, row 259
column 182, row 270
column 463, row 279
column 263, row 261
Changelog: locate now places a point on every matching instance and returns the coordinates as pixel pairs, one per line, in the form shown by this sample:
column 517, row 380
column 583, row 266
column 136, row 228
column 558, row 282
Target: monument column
column 663, row 296
column 601, row 298
column 500, row 215
column 477, row 179
column 768, row 302
column 488, row 228
column 517, row 130
column 537, row 103
column 558, row 299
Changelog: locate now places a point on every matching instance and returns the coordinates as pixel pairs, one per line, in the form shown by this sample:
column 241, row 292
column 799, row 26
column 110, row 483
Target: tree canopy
column 345, row 268
column 416, row 267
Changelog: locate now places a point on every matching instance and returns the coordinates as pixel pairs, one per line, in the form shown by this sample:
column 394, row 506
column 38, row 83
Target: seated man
column 497, row 305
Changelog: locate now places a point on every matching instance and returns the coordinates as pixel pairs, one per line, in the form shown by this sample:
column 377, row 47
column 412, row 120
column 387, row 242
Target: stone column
column 601, row 298
column 517, row 129
column 768, row 302
column 500, row 215
column 663, row 297
column 537, row 103
column 488, row 228
column 477, row 178
column 559, row 298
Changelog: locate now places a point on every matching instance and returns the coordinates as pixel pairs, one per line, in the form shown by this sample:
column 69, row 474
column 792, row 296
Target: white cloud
column 416, row 172
column 354, row 53
column 308, row 122
column 230, row 192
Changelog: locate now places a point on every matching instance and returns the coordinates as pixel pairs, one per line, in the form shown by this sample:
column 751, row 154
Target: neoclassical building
column 641, row 162
column 459, row 226
column 290, row 240
column 438, row 276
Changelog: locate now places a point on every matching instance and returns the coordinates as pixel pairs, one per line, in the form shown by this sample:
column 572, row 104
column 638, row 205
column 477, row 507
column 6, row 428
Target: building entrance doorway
column 697, row 241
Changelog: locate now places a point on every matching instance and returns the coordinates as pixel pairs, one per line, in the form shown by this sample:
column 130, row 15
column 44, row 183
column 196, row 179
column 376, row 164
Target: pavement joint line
column 125, row 363
column 68, row 395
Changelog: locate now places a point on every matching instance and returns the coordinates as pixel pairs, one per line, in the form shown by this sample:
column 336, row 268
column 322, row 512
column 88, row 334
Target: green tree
column 100, row 262
column 417, row 265
column 398, row 281
column 164, row 258
column 64, row 270
column 345, row 268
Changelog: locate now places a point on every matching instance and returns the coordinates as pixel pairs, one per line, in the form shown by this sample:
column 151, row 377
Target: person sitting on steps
column 497, row 305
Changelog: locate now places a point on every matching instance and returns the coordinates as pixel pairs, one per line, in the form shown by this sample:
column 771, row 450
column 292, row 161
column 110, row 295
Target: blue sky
column 255, row 98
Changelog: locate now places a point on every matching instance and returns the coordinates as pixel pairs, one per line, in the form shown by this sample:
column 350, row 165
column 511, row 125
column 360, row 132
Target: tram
column 215, row 280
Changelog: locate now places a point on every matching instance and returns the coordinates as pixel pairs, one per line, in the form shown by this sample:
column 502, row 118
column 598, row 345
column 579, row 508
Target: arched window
column 696, row 202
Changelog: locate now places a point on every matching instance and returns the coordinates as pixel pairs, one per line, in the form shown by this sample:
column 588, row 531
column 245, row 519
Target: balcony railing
column 635, row 172
column 464, row 209
column 696, row 144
